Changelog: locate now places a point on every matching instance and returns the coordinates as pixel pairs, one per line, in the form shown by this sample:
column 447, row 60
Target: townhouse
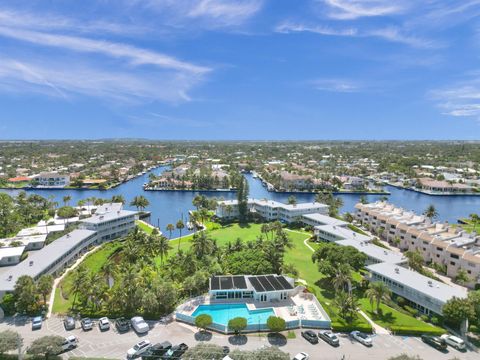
column 438, row 243
column 52, row 180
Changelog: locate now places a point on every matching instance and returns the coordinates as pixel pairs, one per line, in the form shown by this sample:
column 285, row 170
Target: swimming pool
column 221, row 313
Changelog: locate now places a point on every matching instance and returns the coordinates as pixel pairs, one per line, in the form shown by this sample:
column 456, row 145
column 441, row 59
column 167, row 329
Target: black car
column 310, row 336
column 69, row 323
column 157, row 350
column 435, row 341
column 122, row 325
column 176, row 351
column 329, row 337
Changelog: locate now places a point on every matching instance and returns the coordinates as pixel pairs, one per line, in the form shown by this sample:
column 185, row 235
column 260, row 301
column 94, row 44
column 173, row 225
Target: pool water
column 221, row 313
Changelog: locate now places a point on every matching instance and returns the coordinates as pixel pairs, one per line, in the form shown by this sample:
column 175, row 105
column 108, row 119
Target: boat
column 190, row 225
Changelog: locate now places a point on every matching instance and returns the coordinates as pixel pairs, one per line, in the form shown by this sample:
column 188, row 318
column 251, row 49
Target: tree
column 202, row 244
column 457, row 310
column 475, row 220
column 204, row 351
column 197, row 201
column 431, row 212
column 474, row 298
column 26, row 294
column 118, row 199
column 343, row 277
column 46, row 345
column 9, row 340
column 67, row 212
column 363, row 200
column 242, row 197
column 78, row 282
column 170, row 228
column 292, row 200
column 163, row 247
column 276, row 324
column 45, row 286
column 376, row 292
column 462, row 277
column 180, row 226
column 203, row 321
column 140, row 202
column 415, row 260
column 237, row 324
column 66, row 199
column 347, row 305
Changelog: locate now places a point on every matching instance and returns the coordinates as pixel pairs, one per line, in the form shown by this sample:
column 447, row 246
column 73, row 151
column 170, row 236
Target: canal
column 169, row 206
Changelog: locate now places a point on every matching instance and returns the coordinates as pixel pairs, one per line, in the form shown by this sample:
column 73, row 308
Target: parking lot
column 112, row 345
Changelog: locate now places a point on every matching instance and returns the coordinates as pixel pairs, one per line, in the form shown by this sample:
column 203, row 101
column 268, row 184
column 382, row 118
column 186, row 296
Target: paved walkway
column 377, row 328
column 59, row 279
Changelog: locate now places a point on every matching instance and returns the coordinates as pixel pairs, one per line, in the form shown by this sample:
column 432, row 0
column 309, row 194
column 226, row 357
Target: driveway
column 112, row 345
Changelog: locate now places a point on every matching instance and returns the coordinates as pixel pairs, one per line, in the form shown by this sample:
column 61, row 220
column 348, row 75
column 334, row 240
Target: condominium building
column 438, row 243
column 11, row 255
column 271, row 210
column 423, row 293
column 52, row 180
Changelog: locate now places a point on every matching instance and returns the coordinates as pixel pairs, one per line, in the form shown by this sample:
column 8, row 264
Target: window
column 454, row 256
column 452, row 263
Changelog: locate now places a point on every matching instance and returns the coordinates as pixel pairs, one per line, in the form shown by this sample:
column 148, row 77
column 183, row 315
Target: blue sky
column 245, row 69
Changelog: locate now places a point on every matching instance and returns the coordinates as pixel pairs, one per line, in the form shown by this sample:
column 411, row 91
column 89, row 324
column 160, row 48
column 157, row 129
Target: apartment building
column 439, row 243
column 11, row 255
column 271, row 210
column 52, row 180
column 425, row 294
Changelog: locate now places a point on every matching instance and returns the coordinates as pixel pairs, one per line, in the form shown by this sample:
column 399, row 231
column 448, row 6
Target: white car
column 139, row 325
column 301, row 356
column 454, row 341
column 70, row 343
column 362, row 338
column 138, row 349
column 103, row 324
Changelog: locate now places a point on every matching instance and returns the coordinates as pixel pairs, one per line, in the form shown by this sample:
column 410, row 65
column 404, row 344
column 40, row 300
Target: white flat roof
column 343, row 232
column 374, row 251
column 325, row 219
column 39, row 260
column 273, row 203
column 25, row 239
column 11, row 251
column 418, row 282
column 39, row 230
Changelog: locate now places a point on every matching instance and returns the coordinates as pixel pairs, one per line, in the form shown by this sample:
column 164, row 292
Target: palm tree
column 342, row 277
column 108, row 270
column 163, row 247
column 202, row 244
column 170, row 228
column 44, row 286
column 118, row 199
column 415, row 260
column 180, row 226
column 197, row 201
column 431, row 212
column 347, row 305
column 292, row 200
column 229, row 209
column 376, row 292
column 79, row 279
column 140, row 202
column 66, row 199
column 475, row 219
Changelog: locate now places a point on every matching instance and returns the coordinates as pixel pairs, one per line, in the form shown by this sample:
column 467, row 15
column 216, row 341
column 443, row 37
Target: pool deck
column 302, row 306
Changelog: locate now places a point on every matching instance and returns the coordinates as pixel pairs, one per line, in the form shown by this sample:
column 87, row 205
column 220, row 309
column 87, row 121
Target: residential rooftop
column 374, row 251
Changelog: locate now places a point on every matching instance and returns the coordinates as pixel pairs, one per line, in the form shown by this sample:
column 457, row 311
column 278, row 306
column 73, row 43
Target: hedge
column 339, row 327
column 415, row 331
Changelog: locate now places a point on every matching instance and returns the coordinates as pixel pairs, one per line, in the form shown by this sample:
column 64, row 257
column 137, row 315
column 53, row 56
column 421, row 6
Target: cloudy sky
column 240, row 69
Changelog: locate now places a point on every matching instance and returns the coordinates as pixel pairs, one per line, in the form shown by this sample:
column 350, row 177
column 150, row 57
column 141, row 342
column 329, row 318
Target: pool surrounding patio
column 222, row 313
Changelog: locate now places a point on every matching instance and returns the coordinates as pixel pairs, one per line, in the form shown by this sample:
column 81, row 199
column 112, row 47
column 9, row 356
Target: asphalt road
column 112, row 345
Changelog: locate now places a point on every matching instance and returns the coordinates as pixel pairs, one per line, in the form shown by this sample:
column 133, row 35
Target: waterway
column 170, row 206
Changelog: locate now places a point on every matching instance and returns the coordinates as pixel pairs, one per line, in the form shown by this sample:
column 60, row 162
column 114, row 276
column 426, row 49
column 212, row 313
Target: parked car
column 226, row 350
column 157, row 350
column 176, row 351
column 37, row 323
column 70, row 342
column 138, row 349
column 122, row 325
column 329, row 337
column 435, row 341
column 87, row 324
column 310, row 336
column 139, row 325
column 454, row 342
column 362, row 338
column 69, row 323
column 301, row 356
column 103, row 324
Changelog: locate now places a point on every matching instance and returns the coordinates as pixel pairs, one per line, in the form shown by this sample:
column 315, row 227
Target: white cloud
column 462, row 100
column 137, row 56
column 208, row 13
column 353, row 9
column 336, row 85
column 391, row 34
column 61, row 79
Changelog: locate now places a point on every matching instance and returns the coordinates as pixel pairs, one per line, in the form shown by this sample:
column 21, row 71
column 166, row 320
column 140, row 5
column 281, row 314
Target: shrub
column 340, row 327
column 415, row 331
column 66, row 212
column 412, row 311
column 401, row 301
column 435, row 320
column 203, row 321
column 237, row 324
column 8, row 304
column 424, row 318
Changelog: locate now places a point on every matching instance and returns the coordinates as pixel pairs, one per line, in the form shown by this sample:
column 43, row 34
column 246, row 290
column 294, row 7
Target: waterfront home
column 424, row 294
column 51, row 180
column 271, row 210
column 439, row 243
column 442, row 186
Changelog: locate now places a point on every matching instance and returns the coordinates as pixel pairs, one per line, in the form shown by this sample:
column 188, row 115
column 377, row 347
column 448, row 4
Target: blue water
column 221, row 313
column 169, row 206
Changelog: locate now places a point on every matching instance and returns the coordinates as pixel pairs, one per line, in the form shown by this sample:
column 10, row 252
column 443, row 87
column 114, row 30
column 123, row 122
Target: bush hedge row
column 416, row 331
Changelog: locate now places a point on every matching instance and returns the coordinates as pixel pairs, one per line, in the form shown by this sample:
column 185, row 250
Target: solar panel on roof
column 256, row 284
column 263, row 280
column 239, row 282
column 215, row 283
column 284, row 282
column 273, row 280
column 226, row 283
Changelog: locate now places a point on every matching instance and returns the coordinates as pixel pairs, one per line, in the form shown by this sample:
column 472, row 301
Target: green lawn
column 145, row 227
column 92, row 262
